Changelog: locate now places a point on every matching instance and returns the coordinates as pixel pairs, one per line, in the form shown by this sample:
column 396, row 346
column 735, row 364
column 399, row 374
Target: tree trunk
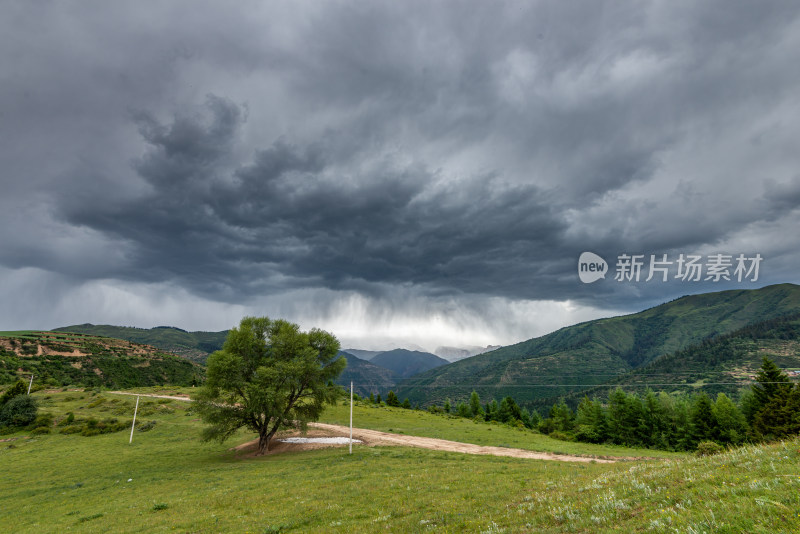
column 264, row 439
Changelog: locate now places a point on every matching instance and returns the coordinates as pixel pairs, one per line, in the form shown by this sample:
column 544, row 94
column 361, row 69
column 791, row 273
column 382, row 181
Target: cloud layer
column 408, row 161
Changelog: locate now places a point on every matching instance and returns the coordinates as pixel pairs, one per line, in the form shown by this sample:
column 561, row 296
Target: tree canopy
column 269, row 375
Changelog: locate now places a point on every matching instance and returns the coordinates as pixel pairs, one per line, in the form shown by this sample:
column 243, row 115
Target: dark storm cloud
column 447, row 149
column 293, row 213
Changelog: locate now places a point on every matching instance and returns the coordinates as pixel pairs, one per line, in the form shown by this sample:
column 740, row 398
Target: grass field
column 168, row 481
column 421, row 423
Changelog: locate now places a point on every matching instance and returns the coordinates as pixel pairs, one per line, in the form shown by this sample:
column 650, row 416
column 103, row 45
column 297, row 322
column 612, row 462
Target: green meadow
column 422, row 423
column 169, row 481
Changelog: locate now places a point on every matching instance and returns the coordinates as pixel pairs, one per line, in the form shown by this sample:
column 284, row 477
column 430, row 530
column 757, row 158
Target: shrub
column 147, row 426
column 19, row 411
column 43, row 420
column 94, row 427
column 557, row 434
column 40, row 430
column 14, row 391
column 97, row 402
column 708, row 448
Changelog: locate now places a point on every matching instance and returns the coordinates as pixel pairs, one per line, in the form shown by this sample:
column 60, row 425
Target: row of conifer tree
column 768, row 410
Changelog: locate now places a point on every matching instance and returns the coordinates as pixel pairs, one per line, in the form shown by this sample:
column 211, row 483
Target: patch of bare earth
column 250, row 449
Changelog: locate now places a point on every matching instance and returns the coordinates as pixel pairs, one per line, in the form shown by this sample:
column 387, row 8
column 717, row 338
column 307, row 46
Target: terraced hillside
column 193, row 345
column 63, row 358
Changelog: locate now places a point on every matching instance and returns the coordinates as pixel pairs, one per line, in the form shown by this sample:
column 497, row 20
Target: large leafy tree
column 269, row 375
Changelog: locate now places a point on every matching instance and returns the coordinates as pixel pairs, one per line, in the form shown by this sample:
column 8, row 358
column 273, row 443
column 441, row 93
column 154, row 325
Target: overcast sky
column 395, row 172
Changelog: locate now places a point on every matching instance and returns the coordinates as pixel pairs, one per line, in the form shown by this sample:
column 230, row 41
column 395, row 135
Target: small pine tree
column 562, row 417
column 509, row 411
column 535, row 419
column 731, row 424
column 702, row 422
column 378, row 399
column 771, row 381
column 490, row 411
column 372, row 398
column 406, row 404
column 780, row 418
column 475, row 404
column 447, row 406
column 590, row 422
column 392, row 400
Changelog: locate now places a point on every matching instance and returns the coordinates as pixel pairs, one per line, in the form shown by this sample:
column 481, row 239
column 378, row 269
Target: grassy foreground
column 167, row 481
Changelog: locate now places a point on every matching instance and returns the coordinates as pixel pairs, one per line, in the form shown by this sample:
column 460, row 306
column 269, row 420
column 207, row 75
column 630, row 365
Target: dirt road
column 374, row 437
column 173, row 397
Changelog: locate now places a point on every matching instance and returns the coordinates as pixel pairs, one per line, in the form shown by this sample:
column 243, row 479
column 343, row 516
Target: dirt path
column 375, row 437
column 173, row 397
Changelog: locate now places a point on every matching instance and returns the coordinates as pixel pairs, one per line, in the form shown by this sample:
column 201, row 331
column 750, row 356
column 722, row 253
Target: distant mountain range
column 375, row 377
column 363, row 354
column 451, row 354
column 681, row 335
column 366, row 377
column 459, row 353
column 540, row 370
column 405, row 363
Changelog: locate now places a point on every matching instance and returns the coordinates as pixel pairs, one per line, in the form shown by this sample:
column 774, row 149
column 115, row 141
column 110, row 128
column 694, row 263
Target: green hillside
column 723, row 364
column 193, row 345
column 61, row 358
column 588, row 354
column 366, row 377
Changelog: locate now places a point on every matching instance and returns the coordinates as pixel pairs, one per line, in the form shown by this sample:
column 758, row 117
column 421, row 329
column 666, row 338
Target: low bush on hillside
column 19, row 411
column 93, row 427
column 708, row 448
